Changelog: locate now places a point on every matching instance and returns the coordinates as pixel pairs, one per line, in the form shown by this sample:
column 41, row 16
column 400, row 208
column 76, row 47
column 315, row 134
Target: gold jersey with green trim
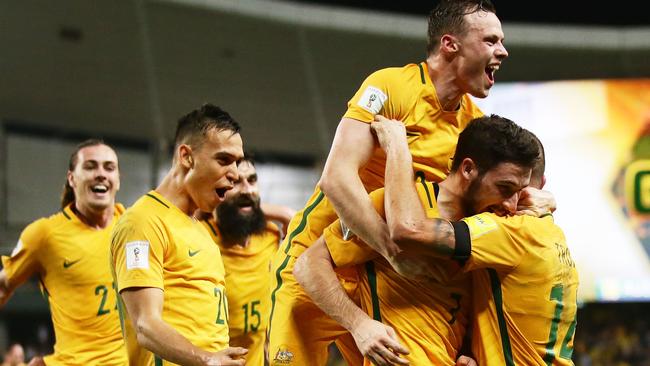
column 525, row 291
column 155, row 244
column 429, row 317
column 249, row 294
column 406, row 94
column 71, row 260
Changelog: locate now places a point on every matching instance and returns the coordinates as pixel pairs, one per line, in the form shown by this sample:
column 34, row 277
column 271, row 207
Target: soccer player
column 247, row 242
column 524, row 279
column 465, row 49
column 426, row 319
column 168, row 271
column 68, row 251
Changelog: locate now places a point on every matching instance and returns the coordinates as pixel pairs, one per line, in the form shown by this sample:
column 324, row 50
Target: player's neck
column 97, row 219
column 235, row 242
column 450, row 199
column 443, row 79
column 173, row 190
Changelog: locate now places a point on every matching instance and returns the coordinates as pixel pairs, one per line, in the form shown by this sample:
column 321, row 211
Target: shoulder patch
column 372, row 100
column 137, row 255
column 480, row 225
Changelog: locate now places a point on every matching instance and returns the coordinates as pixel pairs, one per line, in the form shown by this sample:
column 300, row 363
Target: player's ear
column 185, row 158
column 70, row 177
column 449, row 44
column 543, row 182
column 468, row 168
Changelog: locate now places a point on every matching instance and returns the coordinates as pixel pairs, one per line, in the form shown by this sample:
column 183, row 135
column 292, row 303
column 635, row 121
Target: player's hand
column 231, row 356
column 378, row 343
column 465, row 361
column 36, row 361
column 535, row 202
column 388, row 131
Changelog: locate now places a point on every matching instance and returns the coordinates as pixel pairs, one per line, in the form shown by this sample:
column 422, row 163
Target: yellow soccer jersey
column 155, row 244
column 406, row 94
column 249, row 295
column 525, row 288
column 429, row 318
column 71, row 260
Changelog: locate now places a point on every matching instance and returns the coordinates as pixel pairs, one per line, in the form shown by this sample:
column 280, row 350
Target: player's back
column 525, row 306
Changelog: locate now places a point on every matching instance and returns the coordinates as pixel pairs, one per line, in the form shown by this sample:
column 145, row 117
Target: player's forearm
column 405, row 216
column 315, row 273
column 407, row 221
column 164, row 341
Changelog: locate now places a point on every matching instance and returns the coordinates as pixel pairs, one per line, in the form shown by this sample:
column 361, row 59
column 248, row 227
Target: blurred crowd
column 613, row 334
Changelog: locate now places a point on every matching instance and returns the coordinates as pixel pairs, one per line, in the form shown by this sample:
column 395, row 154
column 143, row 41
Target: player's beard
column 236, row 226
column 469, row 200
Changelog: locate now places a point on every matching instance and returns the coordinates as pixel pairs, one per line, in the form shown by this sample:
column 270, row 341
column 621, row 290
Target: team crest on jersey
column 372, row 100
column 137, row 255
column 480, row 225
column 283, row 356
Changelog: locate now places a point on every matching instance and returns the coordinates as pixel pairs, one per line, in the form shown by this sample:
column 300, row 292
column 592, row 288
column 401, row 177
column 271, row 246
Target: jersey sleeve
column 24, row 259
column 137, row 252
column 344, row 246
column 375, row 97
column 491, row 241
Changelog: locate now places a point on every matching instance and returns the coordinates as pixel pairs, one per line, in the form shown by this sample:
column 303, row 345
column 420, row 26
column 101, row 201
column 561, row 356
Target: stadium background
column 285, row 69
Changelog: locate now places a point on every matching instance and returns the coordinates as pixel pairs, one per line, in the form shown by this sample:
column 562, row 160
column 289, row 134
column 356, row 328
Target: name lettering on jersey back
column 564, row 256
column 372, row 100
column 137, row 255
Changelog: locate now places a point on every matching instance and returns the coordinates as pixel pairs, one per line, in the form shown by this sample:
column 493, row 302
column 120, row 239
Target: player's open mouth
column 490, row 70
column 99, row 188
column 221, row 192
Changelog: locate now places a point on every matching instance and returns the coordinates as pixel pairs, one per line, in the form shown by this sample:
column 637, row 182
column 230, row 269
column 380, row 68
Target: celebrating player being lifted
column 465, row 48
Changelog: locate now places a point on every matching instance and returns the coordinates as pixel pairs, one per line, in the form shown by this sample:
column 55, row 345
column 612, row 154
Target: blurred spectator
column 15, row 356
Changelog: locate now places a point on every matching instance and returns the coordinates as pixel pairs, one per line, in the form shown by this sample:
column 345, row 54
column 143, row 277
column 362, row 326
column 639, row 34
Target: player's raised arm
column 352, row 148
column 407, row 222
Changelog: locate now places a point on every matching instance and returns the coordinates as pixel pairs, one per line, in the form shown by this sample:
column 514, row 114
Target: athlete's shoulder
column 400, row 75
column 522, row 225
column 41, row 228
